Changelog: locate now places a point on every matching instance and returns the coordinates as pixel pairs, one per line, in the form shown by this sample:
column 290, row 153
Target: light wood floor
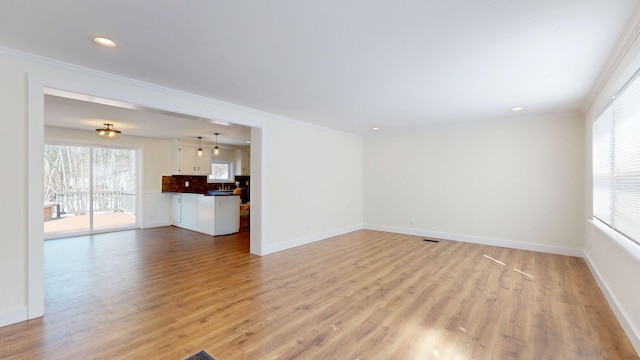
column 168, row 293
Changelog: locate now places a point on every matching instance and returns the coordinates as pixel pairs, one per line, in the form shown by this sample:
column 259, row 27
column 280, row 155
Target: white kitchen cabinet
column 227, row 214
column 203, row 163
column 183, row 160
column 246, row 163
column 211, row 215
column 189, row 218
column 186, row 161
column 243, row 162
column 206, row 214
column 176, row 209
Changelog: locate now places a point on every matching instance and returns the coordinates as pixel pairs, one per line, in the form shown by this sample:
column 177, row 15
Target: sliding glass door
column 114, row 188
column 88, row 189
column 66, row 189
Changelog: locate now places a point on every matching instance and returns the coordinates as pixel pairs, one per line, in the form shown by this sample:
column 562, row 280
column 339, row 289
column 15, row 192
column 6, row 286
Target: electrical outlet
column 186, row 184
column 412, row 221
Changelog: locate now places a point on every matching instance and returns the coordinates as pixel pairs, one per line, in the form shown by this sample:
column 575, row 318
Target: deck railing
column 77, row 202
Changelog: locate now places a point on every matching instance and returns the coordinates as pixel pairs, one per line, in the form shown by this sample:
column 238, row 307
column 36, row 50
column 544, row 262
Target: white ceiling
column 88, row 115
column 348, row 65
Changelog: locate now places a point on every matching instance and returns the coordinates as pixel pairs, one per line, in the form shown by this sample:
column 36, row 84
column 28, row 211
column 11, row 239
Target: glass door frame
column 138, row 150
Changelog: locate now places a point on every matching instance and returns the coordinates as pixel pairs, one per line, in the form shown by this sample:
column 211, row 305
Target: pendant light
column 200, row 148
column 216, row 150
column 108, row 132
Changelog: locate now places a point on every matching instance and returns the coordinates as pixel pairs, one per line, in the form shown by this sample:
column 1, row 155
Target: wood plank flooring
column 168, row 293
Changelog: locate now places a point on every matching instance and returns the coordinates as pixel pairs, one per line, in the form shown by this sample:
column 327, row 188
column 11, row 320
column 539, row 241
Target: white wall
column 516, row 183
column 617, row 271
column 314, row 181
column 13, row 160
column 286, row 150
column 615, row 267
column 156, row 162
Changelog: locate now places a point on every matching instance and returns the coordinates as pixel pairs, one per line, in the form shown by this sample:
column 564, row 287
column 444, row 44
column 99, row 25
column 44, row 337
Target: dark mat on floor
column 202, row 355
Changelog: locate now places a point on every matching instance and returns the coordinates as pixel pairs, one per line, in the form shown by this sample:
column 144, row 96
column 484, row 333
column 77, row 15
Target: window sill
column 625, row 244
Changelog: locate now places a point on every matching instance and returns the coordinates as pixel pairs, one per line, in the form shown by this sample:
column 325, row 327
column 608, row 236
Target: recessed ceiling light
column 517, row 108
column 248, row 142
column 106, row 42
column 375, row 129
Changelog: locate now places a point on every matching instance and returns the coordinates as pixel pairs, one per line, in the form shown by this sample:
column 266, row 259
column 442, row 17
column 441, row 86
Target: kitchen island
column 213, row 213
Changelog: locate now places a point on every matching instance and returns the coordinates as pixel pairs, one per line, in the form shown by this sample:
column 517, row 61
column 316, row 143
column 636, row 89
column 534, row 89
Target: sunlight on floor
column 435, row 343
column 503, row 264
column 494, row 260
column 524, row 273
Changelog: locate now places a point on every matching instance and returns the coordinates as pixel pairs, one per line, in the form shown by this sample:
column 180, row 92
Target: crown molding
column 61, row 65
column 622, row 55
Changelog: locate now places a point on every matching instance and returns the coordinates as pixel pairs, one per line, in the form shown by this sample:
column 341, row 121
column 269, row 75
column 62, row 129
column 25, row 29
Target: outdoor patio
column 81, row 222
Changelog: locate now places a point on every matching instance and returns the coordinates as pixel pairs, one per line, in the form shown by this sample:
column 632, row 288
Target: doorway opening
column 154, row 97
column 88, row 189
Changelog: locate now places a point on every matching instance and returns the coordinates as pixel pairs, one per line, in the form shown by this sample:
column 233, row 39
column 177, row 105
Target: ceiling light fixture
column 200, row 148
column 517, row 108
column 108, row 132
column 216, row 150
column 106, row 42
column 375, row 129
column 219, row 122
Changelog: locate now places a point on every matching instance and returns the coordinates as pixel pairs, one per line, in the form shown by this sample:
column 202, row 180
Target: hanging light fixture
column 108, row 132
column 216, row 150
column 200, row 148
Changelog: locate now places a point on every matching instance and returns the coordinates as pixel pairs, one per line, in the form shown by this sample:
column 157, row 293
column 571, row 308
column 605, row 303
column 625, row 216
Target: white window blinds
column 616, row 162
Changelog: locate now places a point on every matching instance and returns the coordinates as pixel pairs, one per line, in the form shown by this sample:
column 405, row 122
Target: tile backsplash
column 197, row 184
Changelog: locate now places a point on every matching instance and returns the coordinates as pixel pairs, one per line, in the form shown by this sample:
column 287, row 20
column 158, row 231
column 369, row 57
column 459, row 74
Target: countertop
column 208, row 193
column 221, row 193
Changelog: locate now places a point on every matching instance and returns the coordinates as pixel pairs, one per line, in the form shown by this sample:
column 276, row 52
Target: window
column 221, row 170
column 616, row 162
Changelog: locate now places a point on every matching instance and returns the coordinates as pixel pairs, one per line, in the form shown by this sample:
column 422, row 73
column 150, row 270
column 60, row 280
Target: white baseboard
column 559, row 250
column 155, row 224
column 13, row 316
column 632, row 333
column 269, row 249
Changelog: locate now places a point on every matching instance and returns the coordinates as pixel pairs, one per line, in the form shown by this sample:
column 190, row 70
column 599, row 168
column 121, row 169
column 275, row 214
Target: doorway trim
column 84, row 81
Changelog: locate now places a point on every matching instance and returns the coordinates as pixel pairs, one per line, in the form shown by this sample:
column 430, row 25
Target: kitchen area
column 209, row 188
column 190, row 172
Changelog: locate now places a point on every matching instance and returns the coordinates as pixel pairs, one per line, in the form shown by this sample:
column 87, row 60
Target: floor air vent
column 431, row 240
column 202, row 355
